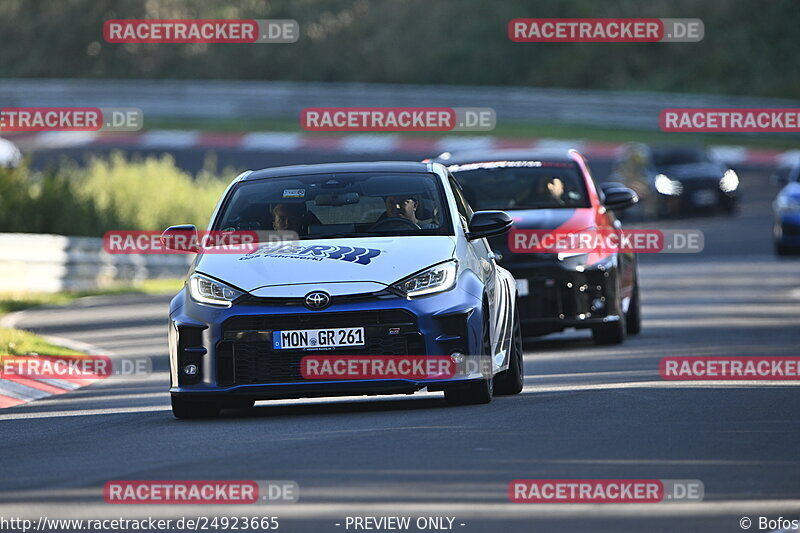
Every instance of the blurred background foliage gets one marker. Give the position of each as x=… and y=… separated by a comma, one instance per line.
x=749, y=48
x=106, y=194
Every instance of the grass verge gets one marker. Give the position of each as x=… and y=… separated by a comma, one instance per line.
x=18, y=342
x=10, y=302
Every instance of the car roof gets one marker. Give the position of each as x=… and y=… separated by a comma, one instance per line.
x=336, y=168
x=480, y=156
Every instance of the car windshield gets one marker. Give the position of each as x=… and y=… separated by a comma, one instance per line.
x=509, y=185
x=669, y=158
x=339, y=205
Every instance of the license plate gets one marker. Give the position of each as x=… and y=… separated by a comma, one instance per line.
x=522, y=287
x=317, y=339
x=704, y=197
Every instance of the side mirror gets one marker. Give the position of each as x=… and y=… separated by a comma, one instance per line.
x=181, y=238
x=619, y=198
x=488, y=224
x=607, y=185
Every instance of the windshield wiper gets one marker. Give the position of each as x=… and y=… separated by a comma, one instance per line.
x=342, y=235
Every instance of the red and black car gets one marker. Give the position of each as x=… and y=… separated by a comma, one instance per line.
x=569, y=289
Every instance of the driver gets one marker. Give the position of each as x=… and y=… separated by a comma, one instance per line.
x=405, y=207
x=289, y=217
x=554, y=188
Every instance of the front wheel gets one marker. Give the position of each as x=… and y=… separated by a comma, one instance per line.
x=633, y=318
x=191, y=408
x=511, y=381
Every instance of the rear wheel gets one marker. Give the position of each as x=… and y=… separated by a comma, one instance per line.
x=191, y=408
x=511, y=381
x=476, y=392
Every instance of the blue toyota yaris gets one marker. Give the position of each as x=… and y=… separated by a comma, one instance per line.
x=390, y=260
x=786, y=208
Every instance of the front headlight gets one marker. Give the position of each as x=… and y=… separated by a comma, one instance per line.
x=437, y=278
x=211, y=292
x=664, y=185
x=729, y=181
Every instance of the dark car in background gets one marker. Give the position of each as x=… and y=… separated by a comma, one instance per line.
x=675, y=181
x=786, y=209
x=556, y=291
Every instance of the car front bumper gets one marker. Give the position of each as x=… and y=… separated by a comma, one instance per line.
x=561, y=296
x=232, y=347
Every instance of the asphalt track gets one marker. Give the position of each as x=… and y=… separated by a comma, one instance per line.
x=586, y=412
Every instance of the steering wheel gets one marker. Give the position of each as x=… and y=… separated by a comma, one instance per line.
x=393, y=221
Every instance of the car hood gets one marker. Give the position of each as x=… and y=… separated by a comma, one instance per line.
x=562, y=219
x=694, y=170
x=340, y=266
x=791, y=190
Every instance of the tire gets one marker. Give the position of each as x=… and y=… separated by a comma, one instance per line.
x=633, y=318
x=781, y=249
x=186, y=408
x=476, y=392
x=512, y=380
x=611, y=332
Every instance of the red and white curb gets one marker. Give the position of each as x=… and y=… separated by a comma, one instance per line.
x=358, y=143
x=16, y=390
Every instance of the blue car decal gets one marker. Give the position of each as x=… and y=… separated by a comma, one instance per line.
x=317, y=252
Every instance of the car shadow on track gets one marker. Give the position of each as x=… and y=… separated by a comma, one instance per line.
x=337, y=406
x=558, y=341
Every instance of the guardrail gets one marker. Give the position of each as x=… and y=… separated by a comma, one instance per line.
x=240, y=99
x=52, y=263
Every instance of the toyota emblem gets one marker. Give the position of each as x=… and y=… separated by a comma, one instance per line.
x=317, y=300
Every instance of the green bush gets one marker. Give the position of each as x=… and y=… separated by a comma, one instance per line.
x=106, y=194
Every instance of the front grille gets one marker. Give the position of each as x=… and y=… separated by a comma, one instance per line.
x=319, y=320
x=248, y=362
x=565, y=297
x=543, y=300
x=697, y=184
x=249, y=299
